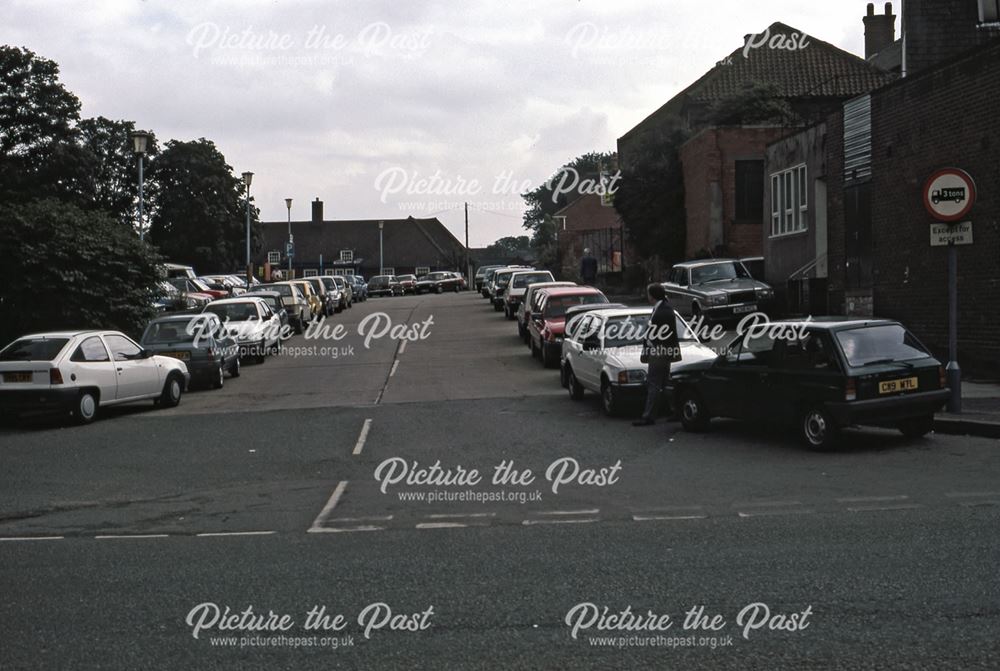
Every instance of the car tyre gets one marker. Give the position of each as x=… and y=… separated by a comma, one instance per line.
x=173, y=388
x=261, y=352
x=522, y=332
x=916, y=427
x=220, y=378
x=576, y=389
x=548, y=360
x=85, y=410
x=234, y=368
x=817, y=428
x=609, y=402
x=693, y=411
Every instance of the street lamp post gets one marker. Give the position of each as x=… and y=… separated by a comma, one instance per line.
x=140, y=142
x=381, y=263
x=288, y=204
x=247, y=178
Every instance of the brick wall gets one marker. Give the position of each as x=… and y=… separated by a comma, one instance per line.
x=936, y=30
x=836, y=248
x=944, y=117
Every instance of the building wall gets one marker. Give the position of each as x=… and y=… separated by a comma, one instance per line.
x=945, y=117
x=836, y=244
x=936, y=30
x=709, y=163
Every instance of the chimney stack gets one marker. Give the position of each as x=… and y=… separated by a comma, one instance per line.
x=317, y=210
x=880, y=30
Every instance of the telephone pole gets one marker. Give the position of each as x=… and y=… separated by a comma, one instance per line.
x=468, y=257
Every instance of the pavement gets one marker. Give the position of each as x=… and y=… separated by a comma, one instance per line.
x=980, y=414
x=304, y=485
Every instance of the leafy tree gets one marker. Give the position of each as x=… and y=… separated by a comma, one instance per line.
x=112, y=183
x=651, y=197
x=39, y=155
x=757, y=103
x=509, y=245
x=73, y=269
x=199, y=208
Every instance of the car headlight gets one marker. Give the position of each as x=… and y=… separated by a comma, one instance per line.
x=716, y=299
x=765, y=293
x=631, y=376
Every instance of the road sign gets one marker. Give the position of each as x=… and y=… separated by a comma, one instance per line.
x=290, y=250
x=951, y=234
x=949, y=194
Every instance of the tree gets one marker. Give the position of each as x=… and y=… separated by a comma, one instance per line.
x=39, y=155
x=199, y=208
x=508, y=246
x=651, y=198
x=112, y=183
x=72, y=268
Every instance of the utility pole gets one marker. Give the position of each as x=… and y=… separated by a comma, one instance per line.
x=468, y=257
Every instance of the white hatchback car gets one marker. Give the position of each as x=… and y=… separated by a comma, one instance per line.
x=601, y=353
x=252, y=322
x=77, y=372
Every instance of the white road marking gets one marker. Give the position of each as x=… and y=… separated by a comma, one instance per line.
x=32, y=538
x=445, y=516
x=645, y=518
x=360, y=445
x=373, y=518
x=583, y=521
x=332, y=530
x=236, y=533
x=766, y=504
x=317, y=524
x=395, y=365
x=981, y=502
x=110, y=536
x=863, y=499
x=441, y=525
x=957, y=495
x=402, y=347
x=774, y=513
x=870, y=509
x=592, y=511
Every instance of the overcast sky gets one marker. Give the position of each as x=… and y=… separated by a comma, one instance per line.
x=353, y=102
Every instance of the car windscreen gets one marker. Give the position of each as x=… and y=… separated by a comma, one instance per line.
x=521, y=281
x=556, y=306
x=33, y=349
x=503, y=280
x=236, y=312
x=378, y=281
x=174, y=331
x=717, y=272
x=282, y=289
x=886, y=343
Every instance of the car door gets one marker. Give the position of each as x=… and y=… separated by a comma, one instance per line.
x=732, y=387
x=591, y=352
x=93, y=367
x=676, y=290
x=137, y=377
x=270, y=322
x=806, y=374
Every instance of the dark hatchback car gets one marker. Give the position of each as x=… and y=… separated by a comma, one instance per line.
x=820, y=376
x=192, y=339
x=276, y=303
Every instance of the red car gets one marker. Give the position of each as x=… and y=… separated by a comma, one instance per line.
x=545, y=328
x=191, y=285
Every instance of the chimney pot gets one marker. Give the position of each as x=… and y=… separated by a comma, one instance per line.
x=880, y=30
x=871, y=9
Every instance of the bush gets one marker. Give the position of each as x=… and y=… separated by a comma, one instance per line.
x=68, y=268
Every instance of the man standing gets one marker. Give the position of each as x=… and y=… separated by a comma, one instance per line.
x=660, y=348
x=588, y=267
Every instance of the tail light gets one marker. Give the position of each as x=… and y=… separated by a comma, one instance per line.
x=622, y=377
x=942, y=378
x=850, y=390
x=55, y=376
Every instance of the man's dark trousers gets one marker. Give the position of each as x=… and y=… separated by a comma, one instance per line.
x=656, y=379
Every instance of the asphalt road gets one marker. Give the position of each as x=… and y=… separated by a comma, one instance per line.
x=264, y=495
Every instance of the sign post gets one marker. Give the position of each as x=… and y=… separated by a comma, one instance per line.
x=949, y=195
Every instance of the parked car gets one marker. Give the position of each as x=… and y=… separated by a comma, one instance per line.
x=528, y=305
x=171, y=270
x=489, y=281
x=346, y=291
x=296, y=304
x=518, y=285
x=251, y=322
x=716, y=289
x=820, y=376
x=408, y=282
x=480, y=277
x=384, y=285
x=439, y=282
x=234, y=285
x=198, y=341
x=314, y=300
x=602, y=352
x=359, y=289
x=501, y=279
x=545, y=330
x=78, y=372
x=326, y=291
x=275, y=301
x=194, y=285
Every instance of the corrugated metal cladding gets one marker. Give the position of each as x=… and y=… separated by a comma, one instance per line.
x=858, y=139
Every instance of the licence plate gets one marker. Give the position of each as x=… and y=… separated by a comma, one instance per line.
x=18, y=377
x=894, y=386
x=183, y=356
x=740, y=309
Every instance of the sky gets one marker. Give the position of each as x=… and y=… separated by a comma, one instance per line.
x=392, y=108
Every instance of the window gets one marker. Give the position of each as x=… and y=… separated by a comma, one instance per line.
x=347, y=256
x=789, y=201
x=274, y=258
x=989, y=11
x=91, y=349
x=389, y=271
x=422, y=270
x=309, y=272
x=749, y=191
x=121, y=347
x=329, y=272
x=340, y=272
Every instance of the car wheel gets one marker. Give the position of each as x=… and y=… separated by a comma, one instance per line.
x=522, y=332
x=497, y=306
x=535, y=353
x=85, y=410
x=439, y=290
x=234, y=368
x=172, y=391
x=219, y=379
x=694, y=413
x=573, y=385
x=300, y=325
x=818, y=429
x=916, y=427
x=510, y=314
x=609, y=402
x=548, y=360
x=261, y=352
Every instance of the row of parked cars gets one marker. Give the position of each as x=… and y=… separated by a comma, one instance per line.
x=818, y=375
x=402, y=285
x=203, y=336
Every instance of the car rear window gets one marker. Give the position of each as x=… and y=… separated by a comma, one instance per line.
x=282, y=289
x=521, y=281
x=876, y=344
x=557, y=305
x=33, y=349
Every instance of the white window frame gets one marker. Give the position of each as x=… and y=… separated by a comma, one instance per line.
x=347, y=256
x=388, y=270
x=340, y=272
x=310, y=272
x=329, y=272
x=789, y=201
x=274, y=258
x=421, y=270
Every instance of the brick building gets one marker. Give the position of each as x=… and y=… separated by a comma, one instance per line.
x=590, y=223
